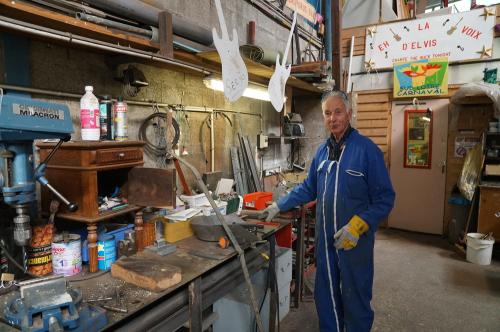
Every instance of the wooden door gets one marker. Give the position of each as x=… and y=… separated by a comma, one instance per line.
x=419, y=185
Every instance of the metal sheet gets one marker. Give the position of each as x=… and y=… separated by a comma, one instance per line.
x=151, y=187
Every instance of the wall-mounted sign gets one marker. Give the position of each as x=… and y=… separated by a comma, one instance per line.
x=304, y=8
x=421, y=78
x=461, y=36
x=418, y=139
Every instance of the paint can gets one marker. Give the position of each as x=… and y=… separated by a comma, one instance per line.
x=120, y=114
x=106, y=118
x=67, y=254
x=40, y=250
x=106, y=251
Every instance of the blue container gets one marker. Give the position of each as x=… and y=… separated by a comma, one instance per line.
x=106, y=252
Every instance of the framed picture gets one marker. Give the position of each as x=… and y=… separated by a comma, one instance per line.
x=418, y=139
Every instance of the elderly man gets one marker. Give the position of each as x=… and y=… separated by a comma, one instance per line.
x=350, y=182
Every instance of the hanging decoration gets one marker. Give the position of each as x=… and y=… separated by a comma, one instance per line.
x=277, y=83
x=421, y=78
x=456, y=36
x=234, y=71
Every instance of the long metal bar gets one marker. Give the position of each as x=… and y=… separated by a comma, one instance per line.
x=273, y=297
x=212, y=143
x=91, y=43
x=118, y=25
x=234, y=242
x=194, y=109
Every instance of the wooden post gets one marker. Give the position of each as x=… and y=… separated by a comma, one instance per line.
x=139, y=231
x=336, y=40
x=165, y=34
x=92, y=244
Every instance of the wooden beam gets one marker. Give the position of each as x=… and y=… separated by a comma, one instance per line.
x=49, y=19
x=336, y=42
x=166, y=34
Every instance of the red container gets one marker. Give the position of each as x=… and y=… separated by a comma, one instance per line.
x=257, y=200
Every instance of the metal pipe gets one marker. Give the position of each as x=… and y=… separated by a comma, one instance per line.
x=348, y=88
x=149, y=33
x=148, y=14
x=212, y=143
x=191, y=109
x=91, y=43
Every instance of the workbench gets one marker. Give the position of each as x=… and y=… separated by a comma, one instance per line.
x=206, y=277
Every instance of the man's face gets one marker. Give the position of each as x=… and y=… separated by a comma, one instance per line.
x=336, y=116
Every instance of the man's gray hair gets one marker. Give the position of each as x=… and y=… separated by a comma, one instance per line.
x=339, y=94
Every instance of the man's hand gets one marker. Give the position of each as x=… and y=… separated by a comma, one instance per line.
x=270, y=212
x=347, y=237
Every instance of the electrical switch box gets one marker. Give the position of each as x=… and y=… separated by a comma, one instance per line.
x=262, y=141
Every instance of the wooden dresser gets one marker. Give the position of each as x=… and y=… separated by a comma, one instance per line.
x=84, y=170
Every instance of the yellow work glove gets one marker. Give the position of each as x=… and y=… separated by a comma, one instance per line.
x=347, y=237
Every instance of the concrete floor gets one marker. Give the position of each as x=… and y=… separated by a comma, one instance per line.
x=422, y=284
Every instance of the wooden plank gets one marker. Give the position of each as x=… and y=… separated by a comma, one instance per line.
x=166, y=34
x=379, y=140
x=374, y=132
x=372, y=97
x=373, y=107
x=372, y=116
x=146, y=272
x=372, y=124
x=47, y=18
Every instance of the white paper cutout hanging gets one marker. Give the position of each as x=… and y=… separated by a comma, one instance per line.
x=281, y=73
x=234, y=71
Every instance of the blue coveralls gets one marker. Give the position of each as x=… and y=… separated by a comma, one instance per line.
x=357, y=184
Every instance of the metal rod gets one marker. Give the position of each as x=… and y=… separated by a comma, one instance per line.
x=194, y=109
x=116, y=25
x=91, y=43
x=232, y=238
x=212, y=143
x=348, y=88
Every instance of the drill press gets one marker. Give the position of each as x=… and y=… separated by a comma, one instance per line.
x=23, y=120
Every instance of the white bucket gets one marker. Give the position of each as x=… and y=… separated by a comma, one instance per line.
x=479, y=251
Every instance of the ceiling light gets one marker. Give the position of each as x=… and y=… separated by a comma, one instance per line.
x=252, y=91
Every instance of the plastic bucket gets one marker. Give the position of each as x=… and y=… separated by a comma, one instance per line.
x=479, y=251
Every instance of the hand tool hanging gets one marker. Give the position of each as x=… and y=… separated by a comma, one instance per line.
x=232, y=238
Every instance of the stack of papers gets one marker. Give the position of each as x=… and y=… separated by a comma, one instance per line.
x=183, y=215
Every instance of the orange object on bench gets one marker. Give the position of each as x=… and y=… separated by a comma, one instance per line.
x=257, y=200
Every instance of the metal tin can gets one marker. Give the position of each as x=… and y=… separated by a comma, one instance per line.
x=106, y=252
x=106, y=118
x=67, y=254
x=40, y=250
x=120, y=115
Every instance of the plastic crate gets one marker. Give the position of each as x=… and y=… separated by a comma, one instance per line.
x=257, y=200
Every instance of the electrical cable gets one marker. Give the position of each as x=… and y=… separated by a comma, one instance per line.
x=153, y=148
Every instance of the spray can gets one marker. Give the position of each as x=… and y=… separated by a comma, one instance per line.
x=106, y=118
x=89, y=115
x=120, y=114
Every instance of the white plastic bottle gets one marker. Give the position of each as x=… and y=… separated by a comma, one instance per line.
x=89, y=116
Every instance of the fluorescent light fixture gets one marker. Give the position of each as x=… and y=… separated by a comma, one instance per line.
x=252, y=91
x=426, y=118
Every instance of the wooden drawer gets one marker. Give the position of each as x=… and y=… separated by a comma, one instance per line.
x=114, y=156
